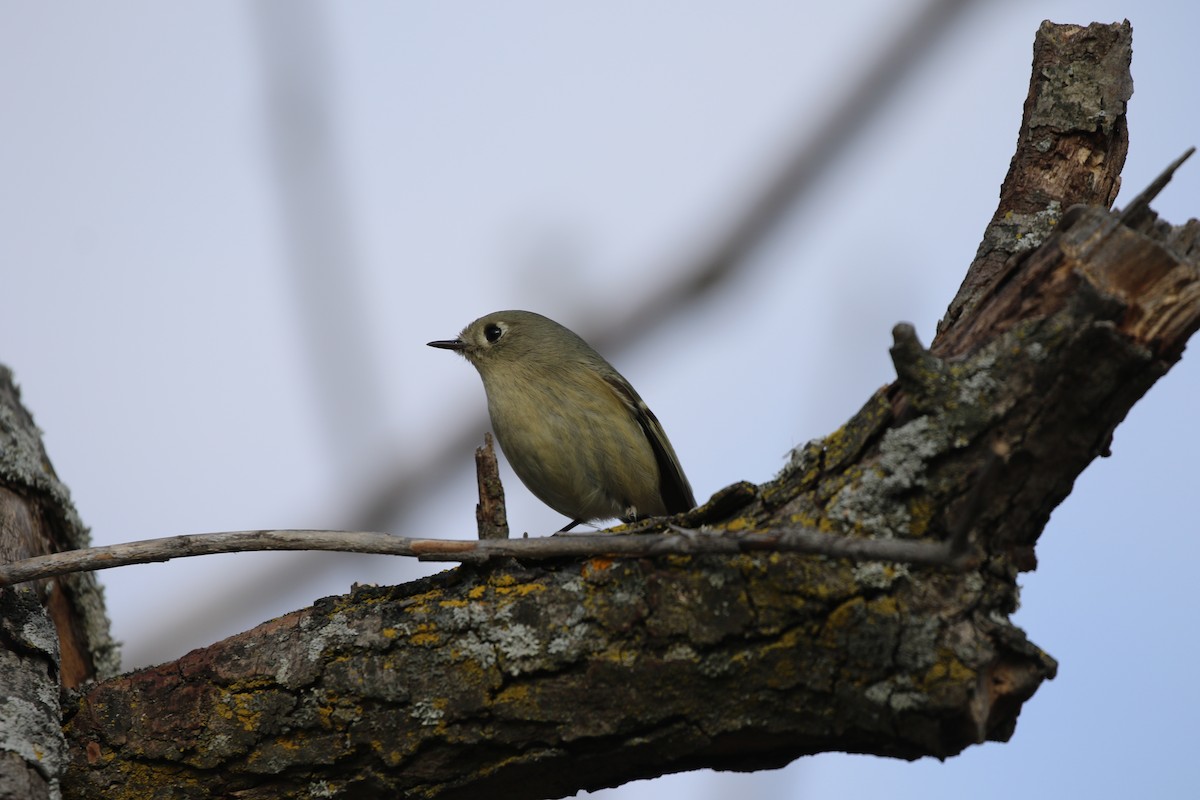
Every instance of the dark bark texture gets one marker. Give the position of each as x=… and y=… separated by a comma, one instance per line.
x=52, y=633
x=1070, y=149
x=537, y=680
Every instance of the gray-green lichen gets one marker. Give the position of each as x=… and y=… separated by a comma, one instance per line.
x=1018, y=232
x=871, y=502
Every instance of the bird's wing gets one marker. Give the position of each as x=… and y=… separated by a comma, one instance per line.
x=673, y=484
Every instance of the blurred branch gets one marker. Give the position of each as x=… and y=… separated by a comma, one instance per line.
x=812, y=158
x=323, y=267
x=405, y=482
x=315, y=226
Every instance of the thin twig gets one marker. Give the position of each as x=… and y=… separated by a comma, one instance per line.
x=681, y=541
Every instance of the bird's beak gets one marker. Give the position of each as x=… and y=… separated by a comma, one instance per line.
x=449, y=344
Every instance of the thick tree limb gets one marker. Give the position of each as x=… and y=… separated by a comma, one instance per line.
x=1070, y=150
x=535, y=681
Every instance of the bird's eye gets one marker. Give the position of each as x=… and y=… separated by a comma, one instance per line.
x=492, y=332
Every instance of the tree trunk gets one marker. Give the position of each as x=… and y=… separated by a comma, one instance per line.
x=52, y=633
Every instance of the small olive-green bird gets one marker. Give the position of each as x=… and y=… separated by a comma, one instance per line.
x=574, y=430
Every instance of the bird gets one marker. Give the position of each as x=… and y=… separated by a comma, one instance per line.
x=575, y=431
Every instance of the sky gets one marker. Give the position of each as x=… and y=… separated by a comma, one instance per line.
x=232, y=228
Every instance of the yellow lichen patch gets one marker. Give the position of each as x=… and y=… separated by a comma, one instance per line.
x=336, y=714
x=824, y=583
x=804, y=520
x=420, y=603
x=458, y=602
x=253, y=682
x=835, y=443
x=141, y=780
x=886, y=606
x=888, y=572
x=394, y=756
x=920, y=512
x=855, y=473
x=426, y=634
x=240, y=706
x=427, y=597
x=787, y=641
x=846, y=615
x=519, y=761
x=520, y=589
x=476, y=592
x=390, y=633
x=750, y=565
x=947, y=669
x=739, y=524
x=425, y=639
x=516, y=695
x=810, y=457
x=285, y=745
x=826, y=525
x=618, y=655
x=470, y=672
x=293, y=741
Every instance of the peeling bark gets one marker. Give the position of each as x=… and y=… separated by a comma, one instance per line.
x=1070, y=150
x=52, y=633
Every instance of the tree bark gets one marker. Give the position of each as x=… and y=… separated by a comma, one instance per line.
x=520, y=680
x=52, y=633
x=1070, y=149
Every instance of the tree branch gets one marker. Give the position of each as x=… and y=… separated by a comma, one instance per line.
x=491, y=515
x=1070, y=150
x=682, y=542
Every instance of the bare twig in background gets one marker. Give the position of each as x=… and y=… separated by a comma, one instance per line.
x=813, y=157
x=316, y=229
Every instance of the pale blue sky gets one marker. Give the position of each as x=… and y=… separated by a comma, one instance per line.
x=564, y=158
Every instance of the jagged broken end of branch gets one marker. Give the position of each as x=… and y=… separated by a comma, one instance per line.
x=1141, y=204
